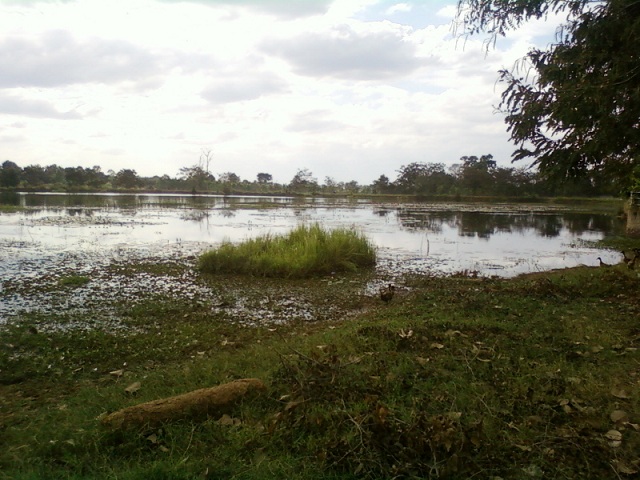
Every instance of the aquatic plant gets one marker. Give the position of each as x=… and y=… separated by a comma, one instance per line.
x=306, y=251
x=73, y=281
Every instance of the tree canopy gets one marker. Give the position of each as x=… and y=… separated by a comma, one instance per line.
x=10, y=174
x=303, y=179
x=471, y=175
x=126, y=178
x=574, y=107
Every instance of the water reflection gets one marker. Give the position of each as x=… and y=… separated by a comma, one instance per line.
x=436, y=238
x=112, y=200
x=484, y=225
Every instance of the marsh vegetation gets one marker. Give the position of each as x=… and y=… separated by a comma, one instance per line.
x=458, y=376
x=304, y=252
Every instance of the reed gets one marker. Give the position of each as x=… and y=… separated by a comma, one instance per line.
x=306, y=251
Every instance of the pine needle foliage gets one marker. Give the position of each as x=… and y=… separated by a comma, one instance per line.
x=306, y=251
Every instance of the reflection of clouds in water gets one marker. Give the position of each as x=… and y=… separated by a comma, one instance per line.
x=503, y=239
x=39, y=245
x=503, y=253
x=195, y=215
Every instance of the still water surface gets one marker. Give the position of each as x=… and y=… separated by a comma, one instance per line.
x=96, y=236
x=492, y=239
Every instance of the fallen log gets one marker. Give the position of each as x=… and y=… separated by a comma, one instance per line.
x=196, y=404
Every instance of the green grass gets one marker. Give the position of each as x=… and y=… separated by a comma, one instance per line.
x=456, y=378
x=73, y=281
x=10, y=209
x=305, y=252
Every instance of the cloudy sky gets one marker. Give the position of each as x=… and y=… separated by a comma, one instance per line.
x=350, y=89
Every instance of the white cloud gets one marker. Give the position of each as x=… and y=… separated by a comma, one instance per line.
x=398, y=7
x=56, y=58
x=280, y=8
x=14, y=105
x=448, y=12
x=350, y=89
x=243, y=88
x=343, y=52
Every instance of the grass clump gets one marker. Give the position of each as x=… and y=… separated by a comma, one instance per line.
x=73, y=281
x=306, y=251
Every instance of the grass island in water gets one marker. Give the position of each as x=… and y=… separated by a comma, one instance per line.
x=305, y=252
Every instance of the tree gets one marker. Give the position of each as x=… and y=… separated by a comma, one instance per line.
x=423, y=178
x=303, y=179
x=409, y=177
x=95, y=178
x=229, y=177
x=34, y=175
x=351, y=186
x=477, y=173
x=206, y=157
x=198, y=175
x=577, y=115
x=74, y=176
x=10, y=174
x=126, y=178
x=331, y=183
x=54, y=174
x=381, y=185
x=264, y=178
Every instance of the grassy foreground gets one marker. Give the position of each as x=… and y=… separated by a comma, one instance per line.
x=534, y=377
x=304, y=252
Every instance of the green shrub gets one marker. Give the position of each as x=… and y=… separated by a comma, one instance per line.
x=304, y=252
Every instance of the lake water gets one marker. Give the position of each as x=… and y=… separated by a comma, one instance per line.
x=80, y=233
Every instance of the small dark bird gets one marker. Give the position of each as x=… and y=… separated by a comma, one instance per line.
x=387, y=294
x=602, y=264
x=631, y=261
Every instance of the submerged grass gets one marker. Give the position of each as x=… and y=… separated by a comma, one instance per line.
x=456, y=378
x=305, y=252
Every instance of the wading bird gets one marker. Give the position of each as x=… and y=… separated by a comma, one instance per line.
x=387, y=294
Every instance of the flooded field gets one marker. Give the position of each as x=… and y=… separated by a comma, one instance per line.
x=103, y=238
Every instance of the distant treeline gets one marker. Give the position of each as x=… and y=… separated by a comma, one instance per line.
x=477, y=176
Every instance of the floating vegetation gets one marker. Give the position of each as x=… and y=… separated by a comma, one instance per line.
x=73, y=281
x=85, y=219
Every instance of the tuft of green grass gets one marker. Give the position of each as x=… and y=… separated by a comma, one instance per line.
x=306, y=251
x=73, y=281
x=619, y=243
x=9, y=209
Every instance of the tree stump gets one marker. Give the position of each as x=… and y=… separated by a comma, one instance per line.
x=195, y=404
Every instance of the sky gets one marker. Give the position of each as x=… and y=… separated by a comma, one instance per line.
x=348, y=89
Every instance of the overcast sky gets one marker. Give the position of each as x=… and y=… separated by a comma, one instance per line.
x=350, y=89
